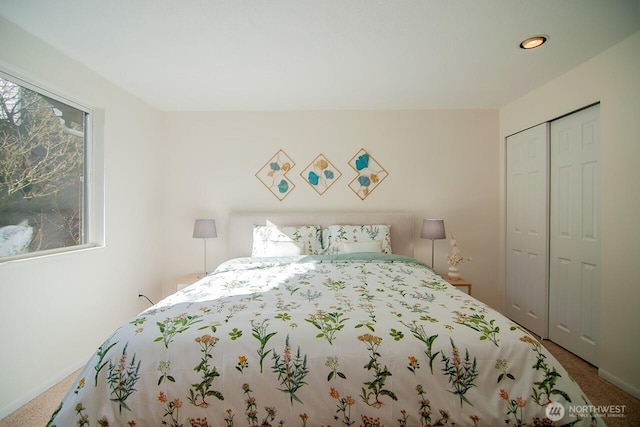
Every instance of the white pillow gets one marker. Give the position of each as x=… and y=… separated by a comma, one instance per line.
x=307, y=237
x=337, y=234
x=275, y=248
x=352, y=247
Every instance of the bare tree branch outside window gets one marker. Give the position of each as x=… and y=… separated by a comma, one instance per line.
x=42, y=148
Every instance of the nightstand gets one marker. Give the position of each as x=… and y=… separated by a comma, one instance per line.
x=187, y=280
x=458, y=283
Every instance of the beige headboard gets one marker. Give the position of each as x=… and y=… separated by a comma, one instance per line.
x=241, y=226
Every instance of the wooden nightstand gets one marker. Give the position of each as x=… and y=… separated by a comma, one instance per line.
x=187, y=280
x=458, y=283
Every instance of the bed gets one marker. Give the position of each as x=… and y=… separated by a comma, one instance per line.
x=322, y=320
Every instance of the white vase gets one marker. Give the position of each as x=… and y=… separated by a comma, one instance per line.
x=454, y=272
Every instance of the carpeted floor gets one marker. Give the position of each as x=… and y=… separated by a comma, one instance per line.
x=599, y=391
x=39, y=410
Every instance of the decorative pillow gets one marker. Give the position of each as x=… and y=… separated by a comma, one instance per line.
x=271, y=240
x=337, y=234
x=352, y=247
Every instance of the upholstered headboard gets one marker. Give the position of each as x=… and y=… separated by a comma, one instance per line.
x=241, y=226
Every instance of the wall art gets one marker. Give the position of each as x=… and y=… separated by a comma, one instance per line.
x=274, y=175
x=321, y=174
x=370, y=174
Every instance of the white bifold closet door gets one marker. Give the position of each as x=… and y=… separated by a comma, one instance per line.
x=527, y=228
x=574, y=260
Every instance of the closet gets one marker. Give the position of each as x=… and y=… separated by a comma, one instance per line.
x=553, y=236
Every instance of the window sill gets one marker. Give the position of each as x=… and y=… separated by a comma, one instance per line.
x=49, y=253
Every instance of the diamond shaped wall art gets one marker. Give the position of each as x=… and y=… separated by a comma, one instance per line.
x=273, y=175
x=370, y=174
x=321, y=174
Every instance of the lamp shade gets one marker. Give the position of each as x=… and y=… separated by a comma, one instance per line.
x=205, y=228
x=433, y=229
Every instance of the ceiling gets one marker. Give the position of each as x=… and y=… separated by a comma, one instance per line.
x=326, y=54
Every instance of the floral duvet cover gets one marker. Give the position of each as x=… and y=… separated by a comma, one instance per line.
x=365, y=340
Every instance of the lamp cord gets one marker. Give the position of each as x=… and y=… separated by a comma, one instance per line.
x=144, y=296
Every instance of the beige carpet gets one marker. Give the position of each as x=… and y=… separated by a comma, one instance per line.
x=39, y=410
x=599, y=391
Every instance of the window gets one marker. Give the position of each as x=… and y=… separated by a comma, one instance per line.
x=44, y=142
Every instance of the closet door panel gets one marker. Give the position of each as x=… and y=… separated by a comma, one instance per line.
x=527, y=228
x=574, y=275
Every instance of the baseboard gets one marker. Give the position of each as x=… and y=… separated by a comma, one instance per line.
x=634, y=391
x=36, y=391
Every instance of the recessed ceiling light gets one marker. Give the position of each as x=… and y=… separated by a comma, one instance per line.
x=533, y=42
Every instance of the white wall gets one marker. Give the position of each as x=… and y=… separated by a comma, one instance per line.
x=56, y=310
x=613, y=78
x=440, y=164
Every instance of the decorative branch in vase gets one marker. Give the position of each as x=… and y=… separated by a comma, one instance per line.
x=455, y=259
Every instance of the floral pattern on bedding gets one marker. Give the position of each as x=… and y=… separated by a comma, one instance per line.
x=272, y=240
x=375, y=340
x=336, y=235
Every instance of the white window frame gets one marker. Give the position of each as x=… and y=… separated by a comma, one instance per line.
x=93, y=206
